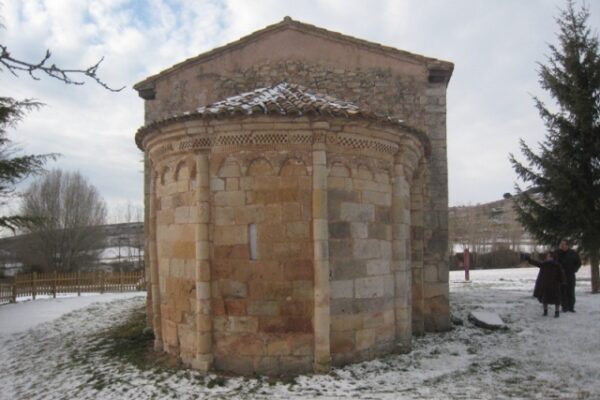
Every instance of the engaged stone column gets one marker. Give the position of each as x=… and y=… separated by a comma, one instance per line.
x=147, y=265
x=204, y=357
x=404, y=166
x=322, y=320
x=151, y=247
x=417, y=232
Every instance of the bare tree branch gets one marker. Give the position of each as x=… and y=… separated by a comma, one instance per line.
x=14, y=65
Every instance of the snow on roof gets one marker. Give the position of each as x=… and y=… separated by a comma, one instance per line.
x=284, y=99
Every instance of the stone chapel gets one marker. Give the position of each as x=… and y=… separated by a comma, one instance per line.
x=296, y=198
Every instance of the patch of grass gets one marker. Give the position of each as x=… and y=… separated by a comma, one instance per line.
x=132, y=342
x=216, y=381
x=503, y=363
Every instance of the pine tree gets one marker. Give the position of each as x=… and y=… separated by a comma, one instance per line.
x=562, y=199
x=14, y=168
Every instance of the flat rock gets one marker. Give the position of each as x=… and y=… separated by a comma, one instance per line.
x=487, y=320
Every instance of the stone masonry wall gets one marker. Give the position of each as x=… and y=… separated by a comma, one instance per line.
x=409, y=97
x=362, y=283
x=175, y=225
x=262, y=308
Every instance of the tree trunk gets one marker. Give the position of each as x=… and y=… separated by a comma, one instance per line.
x=595, y=275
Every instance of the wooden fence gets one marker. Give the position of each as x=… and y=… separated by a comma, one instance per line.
x=52, y=284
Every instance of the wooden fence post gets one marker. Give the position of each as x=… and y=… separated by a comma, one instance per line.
x=14, y=289
x=101, y=282
x=54, y=283
x=78, y=283
x=33, y=276
x=121, y=280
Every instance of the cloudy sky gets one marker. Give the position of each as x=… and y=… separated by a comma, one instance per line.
x=495, y=45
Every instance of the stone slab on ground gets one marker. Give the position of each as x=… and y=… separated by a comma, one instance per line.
x=487, y=320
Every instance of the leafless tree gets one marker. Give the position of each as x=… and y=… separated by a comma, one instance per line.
x=132, y=239
x=44, y=66
x=68, y=212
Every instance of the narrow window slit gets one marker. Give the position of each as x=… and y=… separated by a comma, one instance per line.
x=252, y=241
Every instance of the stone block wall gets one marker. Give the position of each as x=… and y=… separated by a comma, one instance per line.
x=404, y=93
x=360, y=240
x=175, y=226
x=330, y=278
x=263, y=307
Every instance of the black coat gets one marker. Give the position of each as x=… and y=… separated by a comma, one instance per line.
x=548, y=282
x=569, y=259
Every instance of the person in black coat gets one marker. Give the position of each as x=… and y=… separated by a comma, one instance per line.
x=548, y=282
x=570, y=261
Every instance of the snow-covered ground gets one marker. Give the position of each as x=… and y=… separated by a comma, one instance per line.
x=44, y=356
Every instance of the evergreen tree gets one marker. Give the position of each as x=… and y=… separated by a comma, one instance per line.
x=562, y=199
x=14, y=168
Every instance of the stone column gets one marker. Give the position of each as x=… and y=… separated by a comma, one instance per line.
x=417, y=234
x=203, y=359
x=151, y=246
x=147, y=265
x=322, y=294
x=404, y=165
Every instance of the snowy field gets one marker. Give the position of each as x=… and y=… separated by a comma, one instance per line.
x=47, y=352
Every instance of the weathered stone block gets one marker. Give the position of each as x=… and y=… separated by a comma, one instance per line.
x=340, y=249
x=357, y=212
x=236, y=307
x=342, y=289
x=279, y=346
x=297, y=270
x=365, y=339
x=267, y=366
x=342, y=306
x=235, y=324
x=169, y=332
x=230, y=234
x=342, y=341
x=293, y=365
x=232, y=199
x=251, y=214
x=291, y=212
x=184, y=250
x=339, y=230
x=302, y=290
x=378, y=267
x=217, y=184
x=270, y=290
x=369, y=287
x=347, y=269
x=260, y=308
x=377, y=198
x=187, y=339
x=235, y=289
x=232, y=184
x=366, y=249
x=224, y=215
x=297, y=308
x=298, y=230
x=380, y=231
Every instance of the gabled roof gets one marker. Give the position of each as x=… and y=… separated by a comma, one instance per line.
x=440, y=71
x=284, y=99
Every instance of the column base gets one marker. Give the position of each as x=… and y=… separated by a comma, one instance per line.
x=202, y=363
